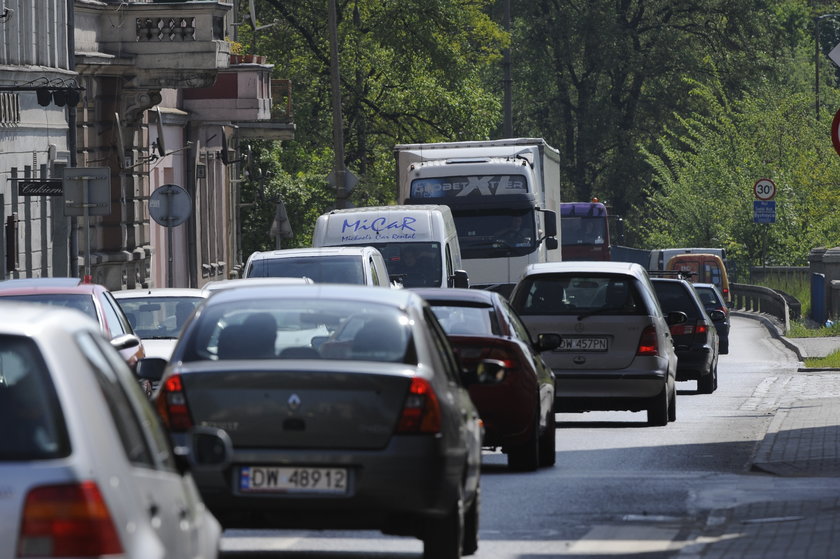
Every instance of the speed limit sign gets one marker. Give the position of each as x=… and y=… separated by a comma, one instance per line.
x=764, y=189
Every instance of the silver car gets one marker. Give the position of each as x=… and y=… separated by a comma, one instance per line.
x=85, y=468
x=346, y=407
x=617, y=352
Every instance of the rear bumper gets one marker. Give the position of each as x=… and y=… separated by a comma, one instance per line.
x=694, y=362
x=389, y=489
x=608, y=390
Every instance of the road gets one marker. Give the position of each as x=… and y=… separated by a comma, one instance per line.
x=620, y=488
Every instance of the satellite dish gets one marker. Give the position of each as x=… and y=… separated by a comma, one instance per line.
x=161, y=148
x=120, y=145
x=224, y=154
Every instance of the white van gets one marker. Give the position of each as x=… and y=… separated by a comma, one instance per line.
x=362, y=265
x=419, y=242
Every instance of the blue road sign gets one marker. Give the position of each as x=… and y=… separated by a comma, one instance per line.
x=764, y=211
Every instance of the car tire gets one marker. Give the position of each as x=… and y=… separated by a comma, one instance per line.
x=707, y=383
x=672, y=406
x=470, y=545
x=444, y=537
x=548, y=442
x=525, y=457
x=657, y=413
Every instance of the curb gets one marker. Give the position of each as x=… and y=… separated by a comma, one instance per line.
x=773, y=328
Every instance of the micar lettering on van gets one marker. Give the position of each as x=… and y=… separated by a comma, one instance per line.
x=419, y=242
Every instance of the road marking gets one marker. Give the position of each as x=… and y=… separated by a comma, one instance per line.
x=624, y=540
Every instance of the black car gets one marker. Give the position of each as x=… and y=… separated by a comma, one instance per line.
x=713, y=300
x=696, y=340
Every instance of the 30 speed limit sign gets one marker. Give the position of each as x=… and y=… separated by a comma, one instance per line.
x=764, y=189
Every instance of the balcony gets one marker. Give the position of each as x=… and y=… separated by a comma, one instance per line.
x=176, y=45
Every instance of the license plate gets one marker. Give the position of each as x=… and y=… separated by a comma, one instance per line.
x=583, y=344
x=262, y=479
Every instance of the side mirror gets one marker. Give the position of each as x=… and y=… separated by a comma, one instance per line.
x=550, y=220
x=204, y=448
x=125, y=341
x=547, y=342
x=675, y=317
x=460, y=279
x=717, y=316
x=490, y=371
x=151, y=368
x=551, y=243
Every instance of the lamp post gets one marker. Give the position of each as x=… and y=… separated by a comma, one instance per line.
x=817, y=20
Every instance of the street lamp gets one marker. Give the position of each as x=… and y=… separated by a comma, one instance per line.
x=817, y=20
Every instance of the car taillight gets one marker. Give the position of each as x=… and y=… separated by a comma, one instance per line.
x=67, y=521
x=172, y=405
x=647, y=342
x=702, y=328
x=421, y=410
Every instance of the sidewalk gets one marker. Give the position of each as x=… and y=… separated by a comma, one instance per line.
x=803, y=442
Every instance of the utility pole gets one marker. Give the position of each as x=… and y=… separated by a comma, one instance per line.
x=338, y=124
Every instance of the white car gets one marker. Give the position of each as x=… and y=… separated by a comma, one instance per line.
x=157, y=315
x=85, y=468
x=361, y=265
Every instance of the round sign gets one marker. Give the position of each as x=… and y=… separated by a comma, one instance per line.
x=170, y=205
x=835, y=132
x=764, y=189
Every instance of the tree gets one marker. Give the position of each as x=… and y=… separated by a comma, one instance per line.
x=411, y=71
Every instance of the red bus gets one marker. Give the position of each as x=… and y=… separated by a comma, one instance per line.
x=584, y=231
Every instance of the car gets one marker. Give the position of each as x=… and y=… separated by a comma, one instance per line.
x=346, y=406
x=713, y=300
x=695, y=340
x=86, y=468
x=362, y=265
x=158, y=314
x=703, y=268
x=93, y=299
x=616, y=352
x=518, y=410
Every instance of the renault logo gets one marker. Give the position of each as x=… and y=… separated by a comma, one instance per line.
x=294, y=402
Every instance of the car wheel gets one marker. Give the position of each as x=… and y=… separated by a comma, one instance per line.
x=526, y=457
x=470, y=544
x=672, y=406
x=548, y=442
x=706, y=383
x=444, y=537
x=657, y=413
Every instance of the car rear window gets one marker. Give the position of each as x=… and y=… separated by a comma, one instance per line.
x=578, y=293
x=332, y=269
x=675, y=296
x=708, y=297
x=467, y=320
x=79, y=301
x=31, y=418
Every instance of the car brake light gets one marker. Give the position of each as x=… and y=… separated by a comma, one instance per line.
x=647, y=342
x=172, y=405
x=702, y=328
x=421, y=410
x=67, y=521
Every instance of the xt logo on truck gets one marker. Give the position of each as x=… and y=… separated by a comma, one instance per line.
x=378, y=228
x=450, y=187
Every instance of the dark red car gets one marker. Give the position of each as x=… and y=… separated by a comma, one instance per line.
x=518, y=410
x=92, y=299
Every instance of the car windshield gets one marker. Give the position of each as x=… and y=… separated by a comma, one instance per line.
x=579, y=294
x=158, y=317
x=301, y=329
x=79, y=301
x=467, y=320
x=320, y=269
x=28, y=402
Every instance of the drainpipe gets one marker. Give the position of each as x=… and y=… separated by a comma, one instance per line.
x=73, y=248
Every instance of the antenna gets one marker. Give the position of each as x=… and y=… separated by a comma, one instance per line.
x=123, y=159
x=252, y=15
x=161, y=148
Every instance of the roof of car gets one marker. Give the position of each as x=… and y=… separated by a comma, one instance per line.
x=159, y=292
x=586, y=266
x=49, y=285
x=218, y=285
x=358, y=250
x=350, y=292
x=456, y=294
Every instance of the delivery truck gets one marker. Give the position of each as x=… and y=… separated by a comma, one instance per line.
x=503, y=195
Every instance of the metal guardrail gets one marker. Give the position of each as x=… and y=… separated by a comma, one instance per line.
x=755, y=298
